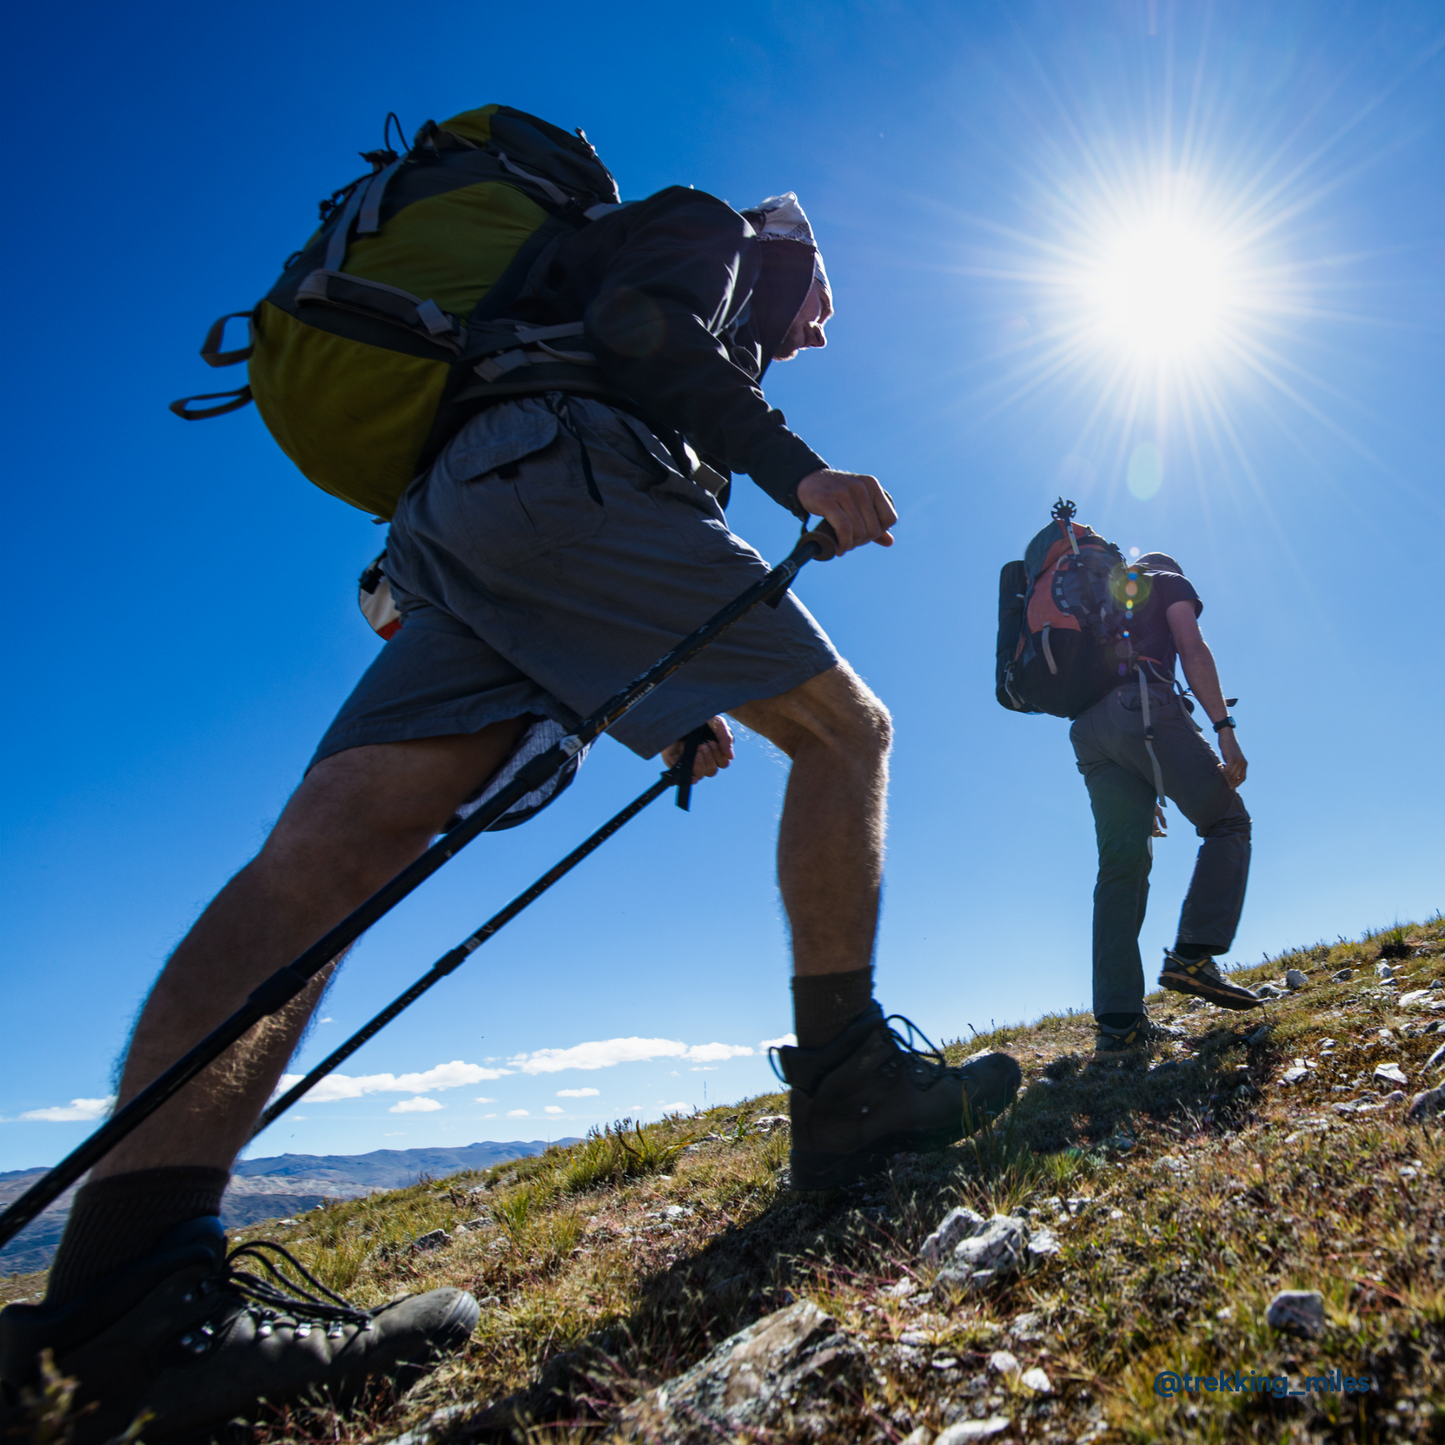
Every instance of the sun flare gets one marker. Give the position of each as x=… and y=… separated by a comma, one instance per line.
x=1161, y=290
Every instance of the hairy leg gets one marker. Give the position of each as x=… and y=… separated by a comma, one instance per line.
x=358, y=818
x=830, y=842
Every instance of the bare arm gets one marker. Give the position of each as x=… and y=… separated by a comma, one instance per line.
x=1203, y=676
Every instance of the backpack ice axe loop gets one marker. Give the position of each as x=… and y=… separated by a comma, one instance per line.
x=287, y=982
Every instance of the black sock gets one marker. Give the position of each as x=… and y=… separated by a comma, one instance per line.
x=116, y=1221
x=824, y=1004
x=1116, y=1021
x=1193, y=952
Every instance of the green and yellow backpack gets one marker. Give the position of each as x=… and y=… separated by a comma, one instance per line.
x=387, y=329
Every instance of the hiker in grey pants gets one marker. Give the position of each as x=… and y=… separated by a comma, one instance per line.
x=1114, y=757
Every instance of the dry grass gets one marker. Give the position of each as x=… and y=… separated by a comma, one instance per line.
x=1208, y=1185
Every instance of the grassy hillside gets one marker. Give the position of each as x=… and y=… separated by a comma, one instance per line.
x=1184, y=1188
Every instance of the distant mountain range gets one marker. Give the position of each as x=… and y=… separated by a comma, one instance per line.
x=274, y=1188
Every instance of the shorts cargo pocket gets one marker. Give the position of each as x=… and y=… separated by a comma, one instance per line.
x=518, y=492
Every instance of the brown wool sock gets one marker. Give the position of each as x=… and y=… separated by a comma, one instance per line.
x=824, y=1004
x=118, y=1220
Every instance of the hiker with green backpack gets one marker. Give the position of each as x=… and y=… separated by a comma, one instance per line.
x=546, y=392
x=1088, y=635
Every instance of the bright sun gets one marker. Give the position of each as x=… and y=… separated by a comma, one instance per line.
x=1161, y=290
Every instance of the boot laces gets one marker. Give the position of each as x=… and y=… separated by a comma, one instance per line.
x=281, y=1296
x=906, y=1045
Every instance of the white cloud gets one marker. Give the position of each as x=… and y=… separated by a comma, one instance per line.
x=578, y=1093
x=326, y=1021
x=604, y=1053
x=787, y=1041
x=442, y=1076
x=490, y=1116
x=482, y=1099
x=681, y=1107
x=418, y=1105
x=518, y=1114
x=554, y=1109
x=703, y=1069
x=76, y=1111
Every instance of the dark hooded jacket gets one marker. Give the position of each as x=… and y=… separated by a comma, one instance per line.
x=683, y=307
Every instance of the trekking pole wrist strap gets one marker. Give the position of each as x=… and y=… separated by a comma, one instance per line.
x=1225, y=722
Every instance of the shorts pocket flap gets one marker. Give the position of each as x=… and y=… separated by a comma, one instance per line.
x=495, y=437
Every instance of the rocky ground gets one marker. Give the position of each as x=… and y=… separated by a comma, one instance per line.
x=1260, y=1196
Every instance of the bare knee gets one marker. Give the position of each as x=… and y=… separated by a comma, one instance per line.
x=836, y=710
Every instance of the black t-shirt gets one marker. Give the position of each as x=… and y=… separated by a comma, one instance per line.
x=1161, y=584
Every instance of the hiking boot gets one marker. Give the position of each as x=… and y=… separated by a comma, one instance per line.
x=1201, y=977
x=191, y=1337
x=870, y=1094
x=1112, y=1039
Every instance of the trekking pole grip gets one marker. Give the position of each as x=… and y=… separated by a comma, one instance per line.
x=823, y=540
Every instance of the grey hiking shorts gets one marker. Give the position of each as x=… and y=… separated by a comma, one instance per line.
x=525, y=587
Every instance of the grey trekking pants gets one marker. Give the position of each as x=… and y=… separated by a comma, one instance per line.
x=1108, y=742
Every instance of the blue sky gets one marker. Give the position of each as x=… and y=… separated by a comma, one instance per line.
x=985, y=178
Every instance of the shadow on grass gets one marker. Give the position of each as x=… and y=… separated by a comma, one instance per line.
x=1059, y=1133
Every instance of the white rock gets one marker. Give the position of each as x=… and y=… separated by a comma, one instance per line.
x=1438, y=1057
x=1429, y=1103
x=1384, y=971
x=1294, y=1075
x=1295, y=978
x=921, y=1436
x=1301, y=1310
x=1343, y=976
x=1043, y=1243
x=1038, y=1382
x=958, y=1224
x=1000, y=1246
x=1390, y=1074
x=1417, y=998
x=1003, y=1362
x=902, y=1289
x=973, y=1430
x=769, y=1123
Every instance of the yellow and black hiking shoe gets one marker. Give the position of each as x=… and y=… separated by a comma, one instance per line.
x=195, y=1338
x=1201, y=977
x=870, y=1094
x=1110, y=1039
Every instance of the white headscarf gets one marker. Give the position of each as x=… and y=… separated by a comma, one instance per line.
x=785, y=220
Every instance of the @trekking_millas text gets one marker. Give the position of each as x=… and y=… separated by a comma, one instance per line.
x=1170, y=1382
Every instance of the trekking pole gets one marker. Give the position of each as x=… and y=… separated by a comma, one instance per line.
x=283, y=985
x=678, y=776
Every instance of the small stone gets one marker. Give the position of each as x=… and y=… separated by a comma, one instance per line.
x=1294, y=1075
x=1390, y=1074
x=1438, y=1057
x=1299, y=1310
x=1295, y=978
x=1416, y=998
x=1343, y=976
x=902, y=1289
x=1396, y=1096
x=1270, y=990
x=1003, y=1362
x=1076, y=1204
x=770, y=1123
x=957, y=1225
x=1038, y=1382
x=433, y=1239
x=973, y=1430
x=480, y=1222
x=1000, y=1246
x=1259, y=1035
x=1042, y=1243
x=1384, y=972
x=1428, y=1104
x=921, y=1436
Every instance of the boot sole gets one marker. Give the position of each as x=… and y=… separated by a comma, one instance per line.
x=1228, y=997
x=813, y=1169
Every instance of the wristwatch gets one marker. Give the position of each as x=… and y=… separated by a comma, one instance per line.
x=1225, y=722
